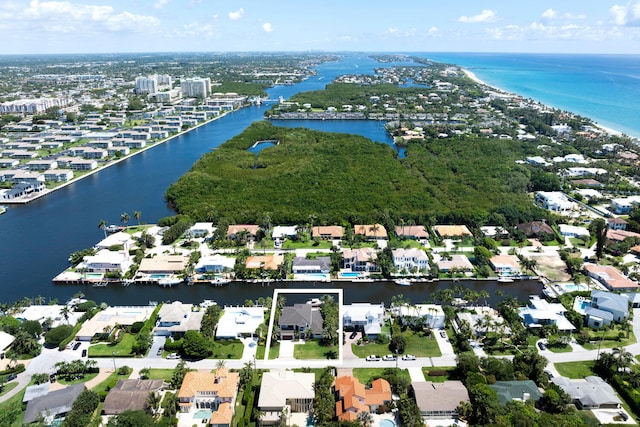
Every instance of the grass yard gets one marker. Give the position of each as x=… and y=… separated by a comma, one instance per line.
x=417, y=345
x=610, y=340
x=227, y=349
x=366, y=375
x=274, y=351
x=447, y=370
x=121, y=349
x=10, y=408
x=109, y=382
x=310, y=244
x=8, y=387
x=84, y=379
x=315, y=371
x=365, y=350
x=575, y=370
x=312, y=350
x=160, y=374
x=563, y=349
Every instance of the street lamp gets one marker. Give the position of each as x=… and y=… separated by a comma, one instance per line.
x=113, y=356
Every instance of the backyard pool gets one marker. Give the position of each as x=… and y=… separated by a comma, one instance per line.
x=158, y=276
x=202, y=414
x=387, y=423
x=350, y=274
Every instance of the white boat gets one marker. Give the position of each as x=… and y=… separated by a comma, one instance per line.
x=3, y=209
x=169, y=281
x=505, y=280
x=220, y=281
x=403, y=282
x=363, y=279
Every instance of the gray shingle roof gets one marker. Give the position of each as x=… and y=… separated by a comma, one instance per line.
x=55, y=403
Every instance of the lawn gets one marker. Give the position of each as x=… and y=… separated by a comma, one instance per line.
x=84, y=379
x=311, y=350
x=610, y=340
x=109, y=382
x=121, y=349
x=564, y=349
x=227, y=349
x=274, y=351
x=8, y=387
x=315, y=371
x=310, y=244
x=13, y=405
x=447, y=370
x=160, y=374
x=417, y=344
x=366, y=375
x=575, y=370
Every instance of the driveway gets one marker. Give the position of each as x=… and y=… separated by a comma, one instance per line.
x=286, y=349
x=158, y=342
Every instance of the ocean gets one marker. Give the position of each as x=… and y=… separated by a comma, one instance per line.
x=604, y=88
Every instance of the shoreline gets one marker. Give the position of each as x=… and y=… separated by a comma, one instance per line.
x=114, y=162
x=609, y=131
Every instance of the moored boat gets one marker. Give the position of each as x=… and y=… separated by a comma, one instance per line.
x=403, y=282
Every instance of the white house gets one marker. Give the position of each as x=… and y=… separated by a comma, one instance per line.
x=431, y=313
x=540, y=312
x=281, y=233
x=555, y=201
x=177, y=318
x=624, y=205
x=573, y=231
x=115, y=239
x=215, y=264
x=411, y=259
x=201, y=229
x=616, y=304
x=239, y=321
x=284, y=389
x=369, y=317
x=106, y=260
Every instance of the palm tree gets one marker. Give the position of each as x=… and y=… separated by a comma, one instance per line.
x=64, y=311
x=152, y=402
x=137, y=215
x=365, y=418
x=103, y=226
x=220, y=364
x=375, y=228
x=124, y=218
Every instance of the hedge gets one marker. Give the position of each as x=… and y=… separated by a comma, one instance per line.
x=71, y=337
x=628, y=393
x=17, y=370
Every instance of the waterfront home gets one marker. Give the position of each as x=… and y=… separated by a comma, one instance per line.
x=370, y=231
x=58, y=175
x=482, y=320
x=353, y=397
x=201, y=229
x=41, y=165
x=300, y=321
x=176, y=318
x=22, y=176
x=22, y=189
x=104, y=261
x=237, y=322
x=247, y=232
x=284, y=389
x=216, y=264
x=522, y=390
x=302, y=265
x=327, y=232
x=33, y=391
x=104, y=321
x=130, y=395
x=215, y=392
x=505, y=265
x=610, y=277
x=616, y=304
x=589, y=393
x=116, y=239
x=42, y=313
x=365, y=316
x=573, y=231
x=54, y=405
x=535, y=228
x=5, y=342
x=266, y=262
x=410, y=260
x=413, y=232
x=83, y=165
x=431, y=314
x=540, y=312
x=361, y=259
x=163, y=264
x=452, y=231
x=439, y=400
x=459, y=263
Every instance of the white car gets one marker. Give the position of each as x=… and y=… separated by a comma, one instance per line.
x=372, y=358
x=173, y=356
x=389, y=358
x=408, y=357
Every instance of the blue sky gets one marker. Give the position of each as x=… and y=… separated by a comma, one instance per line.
x=79, y=26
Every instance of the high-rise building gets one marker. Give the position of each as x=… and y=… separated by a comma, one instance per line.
x=147, y=85
x=196, y=87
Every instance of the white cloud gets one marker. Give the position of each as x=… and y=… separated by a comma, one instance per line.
x=483, y=17
x=234, y=16
x=433, y=30
x=549, y=14
x=161, y=3
x=392, y=30
x=627, y=15
x=267, y=27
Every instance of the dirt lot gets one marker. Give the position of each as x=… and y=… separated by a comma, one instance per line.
x=551, y=266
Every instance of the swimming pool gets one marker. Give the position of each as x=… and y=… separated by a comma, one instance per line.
x=94, y=275
x=387, y=423
x=573, y=287
x=158, y=276
x=202, y=414
x=350, y=274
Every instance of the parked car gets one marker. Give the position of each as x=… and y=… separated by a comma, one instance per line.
x=84, y=352
x=11, y=377
x=372, y=358
x=76, y=345
x=542, y=346
x=159, y=352
x=408, y=357
x=52, y=378
x=173, y=356
x=389, y=358
x=353, y=335
x=70, y=345
x=443, y=334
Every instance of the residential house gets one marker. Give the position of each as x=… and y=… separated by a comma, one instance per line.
x=22, y=189
x=459, y=263
x=610, y=277
x=237, y=322
x=299, y=321
x=216, y=264
x=410, y=260
x=483, y=320
x=210, y=391
x=163, y=264
x=58, y=175
x=540, y=312
x=622, y=206
x=327, y=232
x=116, y=239
x=452, y=231
x=535, y=228
x=413, y=232
x=616, y=304
x=370, y=231
x=616, y=223
x=54, y=405
x=302, y=265
x=246, y=232
x=33, y=391
x=619, y=235
x=105, y=320
x=573, y=231
x=201, y=229
x=105, y=261
x=516, y=390
x=352, y=397
x=494, y=231
x=589, y=393
x=266, y=262
x=281, y=233
x=130, y=395
x=176, y=318
x=432, y=314
x=555, y=201
x=505, y=265
x=360, y=259
x=366, y=316
x=284, y=389
x=439, y=400
x=5, y=342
